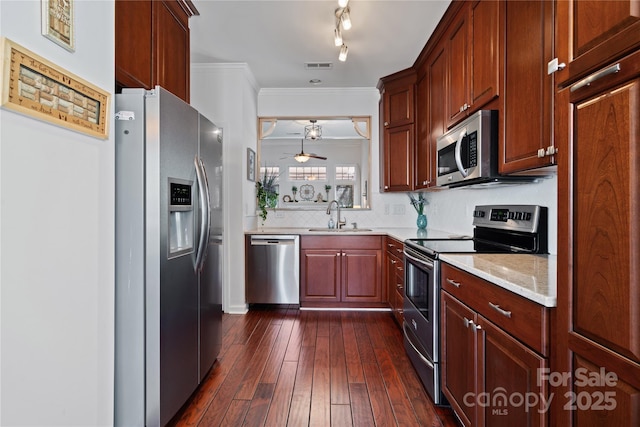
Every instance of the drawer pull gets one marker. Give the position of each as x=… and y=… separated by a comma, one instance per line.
x=497, y=308
x=453, y=282
x=393, y=261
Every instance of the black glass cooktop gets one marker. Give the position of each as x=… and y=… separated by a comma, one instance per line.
x=443, y=246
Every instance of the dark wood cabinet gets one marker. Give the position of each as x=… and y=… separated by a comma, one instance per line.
x=599, y=270
x=490, y=355
x=595, y=33
x=527, y=117
x=341, y=271
x=152, y=44
x=398, y=158
x=474, y=52
x=397, y=109
x=459, y=353
x=394, y=277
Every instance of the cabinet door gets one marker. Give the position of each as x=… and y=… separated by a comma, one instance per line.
x=398, y=158
x=528, y=90
x=598, y=276
x=484, y=53
x=437, y=75
x=507, y=370
x=424, y=170
x=603, y=31
x=133, y=47
x=459, y=358
x=457, y=46
x=361, y=281
x=320, y=275
x=398, y=99
x=606, y=243
x=171, y=42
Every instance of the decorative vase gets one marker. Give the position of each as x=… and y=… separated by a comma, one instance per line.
x=421, y=222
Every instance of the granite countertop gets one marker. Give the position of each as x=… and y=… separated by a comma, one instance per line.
x=399, y=233
x=530, y=276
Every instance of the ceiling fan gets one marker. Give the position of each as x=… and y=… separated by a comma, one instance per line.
x=302, y=157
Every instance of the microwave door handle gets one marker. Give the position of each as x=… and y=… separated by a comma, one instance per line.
x=458, y=156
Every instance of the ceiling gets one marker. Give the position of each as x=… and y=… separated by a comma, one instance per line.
x=277, y=38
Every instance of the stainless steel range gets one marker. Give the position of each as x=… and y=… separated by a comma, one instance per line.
x=497, y=229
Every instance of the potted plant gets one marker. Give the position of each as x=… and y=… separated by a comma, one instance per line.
x=294, y=190
x=327, y=188
x=266, y=193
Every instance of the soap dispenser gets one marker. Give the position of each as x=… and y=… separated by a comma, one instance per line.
x=331, y=224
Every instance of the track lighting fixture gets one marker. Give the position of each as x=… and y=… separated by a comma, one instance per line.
x=337, y=36
x=343, y=21
x=344, y=50
x=345, y=18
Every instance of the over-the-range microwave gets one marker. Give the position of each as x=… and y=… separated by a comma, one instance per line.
x=468, y=153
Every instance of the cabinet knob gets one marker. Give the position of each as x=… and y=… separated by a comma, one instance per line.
x=393, y=261
x=386, y=123
x=553, y=66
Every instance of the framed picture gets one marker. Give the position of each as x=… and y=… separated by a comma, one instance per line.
x=33, y=86
x=251, y=165
x=57, y=22
x=344, y=195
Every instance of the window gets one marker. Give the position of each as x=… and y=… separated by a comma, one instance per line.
x=271, y=171
x=307, y=173
x=345, y=173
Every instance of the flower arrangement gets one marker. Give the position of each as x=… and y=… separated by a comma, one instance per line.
x=418, y=202
x=266, y=193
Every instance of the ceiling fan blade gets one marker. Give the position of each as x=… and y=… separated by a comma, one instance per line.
x=315, y=156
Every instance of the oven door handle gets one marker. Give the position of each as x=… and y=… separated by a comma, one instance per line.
x=426, y=263
x=408, y=338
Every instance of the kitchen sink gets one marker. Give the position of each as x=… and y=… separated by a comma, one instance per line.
x=339, y=230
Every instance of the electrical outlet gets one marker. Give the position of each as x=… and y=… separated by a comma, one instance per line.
x=279, y=214
x=398, y=210
x=386, y=208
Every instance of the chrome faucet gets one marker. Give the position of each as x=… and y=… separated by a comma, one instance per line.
x=339, y=222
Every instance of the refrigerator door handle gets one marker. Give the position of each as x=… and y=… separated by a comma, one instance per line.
x=203, y=189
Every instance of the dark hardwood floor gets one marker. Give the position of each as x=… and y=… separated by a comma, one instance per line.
x=289, y=367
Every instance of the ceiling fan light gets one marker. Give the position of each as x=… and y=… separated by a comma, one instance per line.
x=344, y=50
x=301, y=158
x=337, y=36
x=343, y=3
x=346, y=19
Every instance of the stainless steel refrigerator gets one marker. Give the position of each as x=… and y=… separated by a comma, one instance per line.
x=168, y=254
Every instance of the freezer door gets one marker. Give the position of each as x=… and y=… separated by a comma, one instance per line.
x=172, y=283
x=211, y=272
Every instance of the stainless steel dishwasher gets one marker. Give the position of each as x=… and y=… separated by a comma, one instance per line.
x=273, y=269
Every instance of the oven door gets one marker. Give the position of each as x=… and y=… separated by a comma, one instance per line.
x=421, y=320
x=421, y=299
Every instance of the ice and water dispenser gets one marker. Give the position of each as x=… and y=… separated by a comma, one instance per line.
x=181, y=217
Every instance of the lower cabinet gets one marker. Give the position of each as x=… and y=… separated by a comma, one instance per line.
x=341, y=271
x=394, y=277
x=493, y=370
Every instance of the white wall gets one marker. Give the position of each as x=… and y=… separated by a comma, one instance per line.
x=227, y=95
x=56, y=233
x=449, y=210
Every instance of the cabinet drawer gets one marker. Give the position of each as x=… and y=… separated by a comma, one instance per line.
x=394, y=247
x=524, y=319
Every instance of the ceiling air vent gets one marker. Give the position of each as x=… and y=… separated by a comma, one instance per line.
x=318, y=65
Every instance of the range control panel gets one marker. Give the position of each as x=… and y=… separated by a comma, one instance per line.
x=509, y=217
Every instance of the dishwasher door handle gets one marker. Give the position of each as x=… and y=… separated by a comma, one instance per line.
x=264, y=241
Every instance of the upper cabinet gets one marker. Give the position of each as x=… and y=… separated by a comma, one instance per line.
x=397, y=106
x=473, y=44
x=592, y=34
x=152, y=44
x=527, y=114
